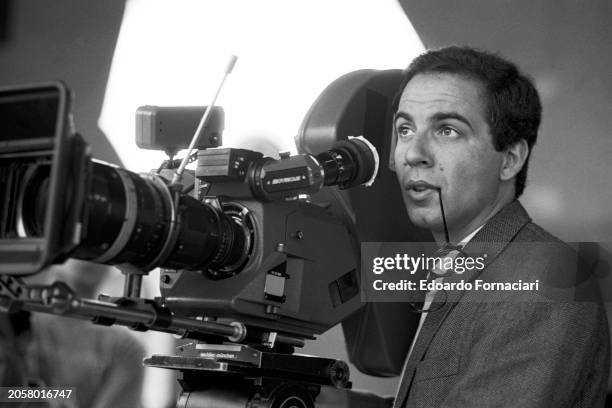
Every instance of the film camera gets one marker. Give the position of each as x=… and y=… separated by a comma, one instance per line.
x=257, y=255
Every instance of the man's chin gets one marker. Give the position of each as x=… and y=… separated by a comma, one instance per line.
x=423, y=218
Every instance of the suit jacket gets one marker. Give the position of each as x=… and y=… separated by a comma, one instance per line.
x=545, y=348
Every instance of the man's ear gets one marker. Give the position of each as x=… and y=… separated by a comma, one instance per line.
x=515, y=157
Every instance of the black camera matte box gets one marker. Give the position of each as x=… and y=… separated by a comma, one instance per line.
x=34, y=128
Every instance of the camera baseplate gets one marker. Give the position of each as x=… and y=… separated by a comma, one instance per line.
x=239, y=375
x=251, y=362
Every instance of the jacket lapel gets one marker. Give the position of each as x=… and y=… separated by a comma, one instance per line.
x=490, y=240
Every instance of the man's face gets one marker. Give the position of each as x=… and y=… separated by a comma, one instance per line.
x=444, y=141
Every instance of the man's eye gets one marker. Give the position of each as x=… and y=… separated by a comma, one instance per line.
x=404, y=131
x=448, y=131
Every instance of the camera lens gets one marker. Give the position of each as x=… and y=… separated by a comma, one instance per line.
x=139, y=220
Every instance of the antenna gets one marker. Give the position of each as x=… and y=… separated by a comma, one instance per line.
x=228, y=70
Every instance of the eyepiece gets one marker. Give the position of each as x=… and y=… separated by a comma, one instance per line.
x=350, y=163
x=347, y=164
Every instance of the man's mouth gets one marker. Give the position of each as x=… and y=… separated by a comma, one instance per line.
x=419, y=190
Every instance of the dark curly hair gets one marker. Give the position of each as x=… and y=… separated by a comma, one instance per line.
x=513, y=108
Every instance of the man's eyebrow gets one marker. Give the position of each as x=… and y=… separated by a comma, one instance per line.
x=402, y=115
x=450, y=115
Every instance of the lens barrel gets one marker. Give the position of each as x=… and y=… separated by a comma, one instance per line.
x=138, y=220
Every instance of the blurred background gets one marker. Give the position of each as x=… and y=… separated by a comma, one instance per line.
x=117, y=55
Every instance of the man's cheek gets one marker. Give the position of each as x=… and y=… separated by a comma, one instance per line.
x=398, y=162
x=459, y=179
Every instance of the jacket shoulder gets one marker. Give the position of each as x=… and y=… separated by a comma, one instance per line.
x=534, y=243
x=532, y=232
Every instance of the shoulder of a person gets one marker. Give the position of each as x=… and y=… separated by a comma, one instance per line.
x=535, y=255
x=533, y=232
x=541, y=248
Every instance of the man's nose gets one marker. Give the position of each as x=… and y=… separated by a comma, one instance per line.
x=418, y=151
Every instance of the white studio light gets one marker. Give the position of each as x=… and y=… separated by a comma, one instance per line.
x=173, y=53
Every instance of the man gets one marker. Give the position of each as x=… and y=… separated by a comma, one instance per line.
x=465, y=124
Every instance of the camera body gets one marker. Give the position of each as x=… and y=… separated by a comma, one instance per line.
x=241, y=238
x=291, y=271
x=287, y=256
x=256, y=255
